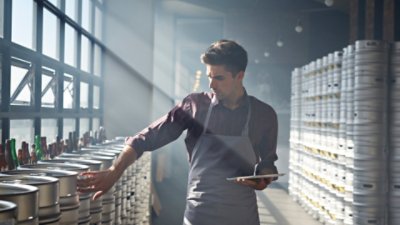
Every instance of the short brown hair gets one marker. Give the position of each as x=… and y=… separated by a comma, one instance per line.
x=227, y=53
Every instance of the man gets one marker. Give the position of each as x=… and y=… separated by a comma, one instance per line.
x=229, y=133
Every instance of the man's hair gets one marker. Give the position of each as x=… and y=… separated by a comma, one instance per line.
x=227, y=53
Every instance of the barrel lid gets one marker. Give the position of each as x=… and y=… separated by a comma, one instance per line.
x=74, y=161
x=43, y=172
x=28, y=179
x=16, y=189
x=56, y=166
x=87, y=156
x=7, y=206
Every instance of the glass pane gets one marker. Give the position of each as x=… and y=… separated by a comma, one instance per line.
x=49, y=130
x=95, y=124
x=1, y=17
x=49, y=88
x=71, y=9
x=84, y=98
x=68, y=126
x=98, y=25
x=85, y=54
x=22, y=130
x=70, y=45
x=97, y=60
x=68, y=91
x=50, y=34
x=96, y=97
x=23, y=21
x=83, y=126
x=21, y=83
x=86, y=15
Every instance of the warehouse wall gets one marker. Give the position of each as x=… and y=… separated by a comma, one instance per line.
x=128, y=68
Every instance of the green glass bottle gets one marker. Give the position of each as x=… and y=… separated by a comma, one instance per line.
x=38, y=148
x=14, y=152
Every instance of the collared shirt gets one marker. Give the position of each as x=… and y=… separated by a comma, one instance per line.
x=190, y=115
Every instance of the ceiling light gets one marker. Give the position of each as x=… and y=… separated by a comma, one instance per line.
x=298, y=28
x=279, y=43
x=266, y=54
x=329, y=3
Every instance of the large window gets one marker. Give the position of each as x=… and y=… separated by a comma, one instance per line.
x=71, y=9
x=70, y=45
x=23, y=23
x=21, y=88
x=22, y=130
x=49, y=87
x=49, y=129
x=68, y=91
x=84, y=100
x=50, y=34
x=52, y=68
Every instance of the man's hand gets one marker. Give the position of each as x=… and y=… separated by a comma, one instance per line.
x=102, y=181
x=98, y=181
x=257, y=184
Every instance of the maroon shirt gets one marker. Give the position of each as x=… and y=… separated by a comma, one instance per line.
x=190, y=115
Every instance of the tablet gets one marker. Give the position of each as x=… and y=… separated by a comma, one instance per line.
x=255, y=176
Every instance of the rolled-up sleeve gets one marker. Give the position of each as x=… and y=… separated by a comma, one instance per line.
x=267, y=147
x=164, y=130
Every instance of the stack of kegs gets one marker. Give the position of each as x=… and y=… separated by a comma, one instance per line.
x=295, y=131
x=394, y=169
x=345, y=142
x=369, y=131
x=142, y=191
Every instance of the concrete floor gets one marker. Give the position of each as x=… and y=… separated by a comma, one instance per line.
x=276, y=207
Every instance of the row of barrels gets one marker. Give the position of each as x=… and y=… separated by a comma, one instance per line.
x=45, y=193
x=341, y=139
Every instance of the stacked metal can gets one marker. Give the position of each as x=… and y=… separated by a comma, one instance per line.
x=346, y=128
x=394, y=141
x=316, y=164
x=369, y=132
x=338, y=165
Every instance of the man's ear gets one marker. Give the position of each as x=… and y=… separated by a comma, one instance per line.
x=240, y=75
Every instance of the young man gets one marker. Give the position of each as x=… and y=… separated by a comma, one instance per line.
x=229, y=133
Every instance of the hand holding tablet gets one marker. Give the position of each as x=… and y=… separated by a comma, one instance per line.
x=254, y=177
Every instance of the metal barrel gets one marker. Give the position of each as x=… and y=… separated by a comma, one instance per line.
x=8, y=212
x=48, y=187
x=69, y=198
x=20, y=194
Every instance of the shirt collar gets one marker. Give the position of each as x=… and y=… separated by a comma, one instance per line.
x=242, y=100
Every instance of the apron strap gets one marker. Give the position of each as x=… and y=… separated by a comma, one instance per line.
x=214, y=101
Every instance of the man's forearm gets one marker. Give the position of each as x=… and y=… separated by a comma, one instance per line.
x=125, y=159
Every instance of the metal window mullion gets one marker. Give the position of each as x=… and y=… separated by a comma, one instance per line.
x=6, y=70
x=37, y=102
x=60, y=75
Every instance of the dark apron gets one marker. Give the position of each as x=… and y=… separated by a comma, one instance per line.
x=212, y=200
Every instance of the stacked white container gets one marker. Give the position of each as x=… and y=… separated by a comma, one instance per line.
x=394, y=143
x=338, y=169
x=369, y=132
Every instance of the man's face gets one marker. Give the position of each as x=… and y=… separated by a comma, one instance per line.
x=223, y=83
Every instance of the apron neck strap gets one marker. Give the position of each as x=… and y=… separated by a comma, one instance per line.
x=214, y=102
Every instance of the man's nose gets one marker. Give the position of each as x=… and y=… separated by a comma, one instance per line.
x=212, y=84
